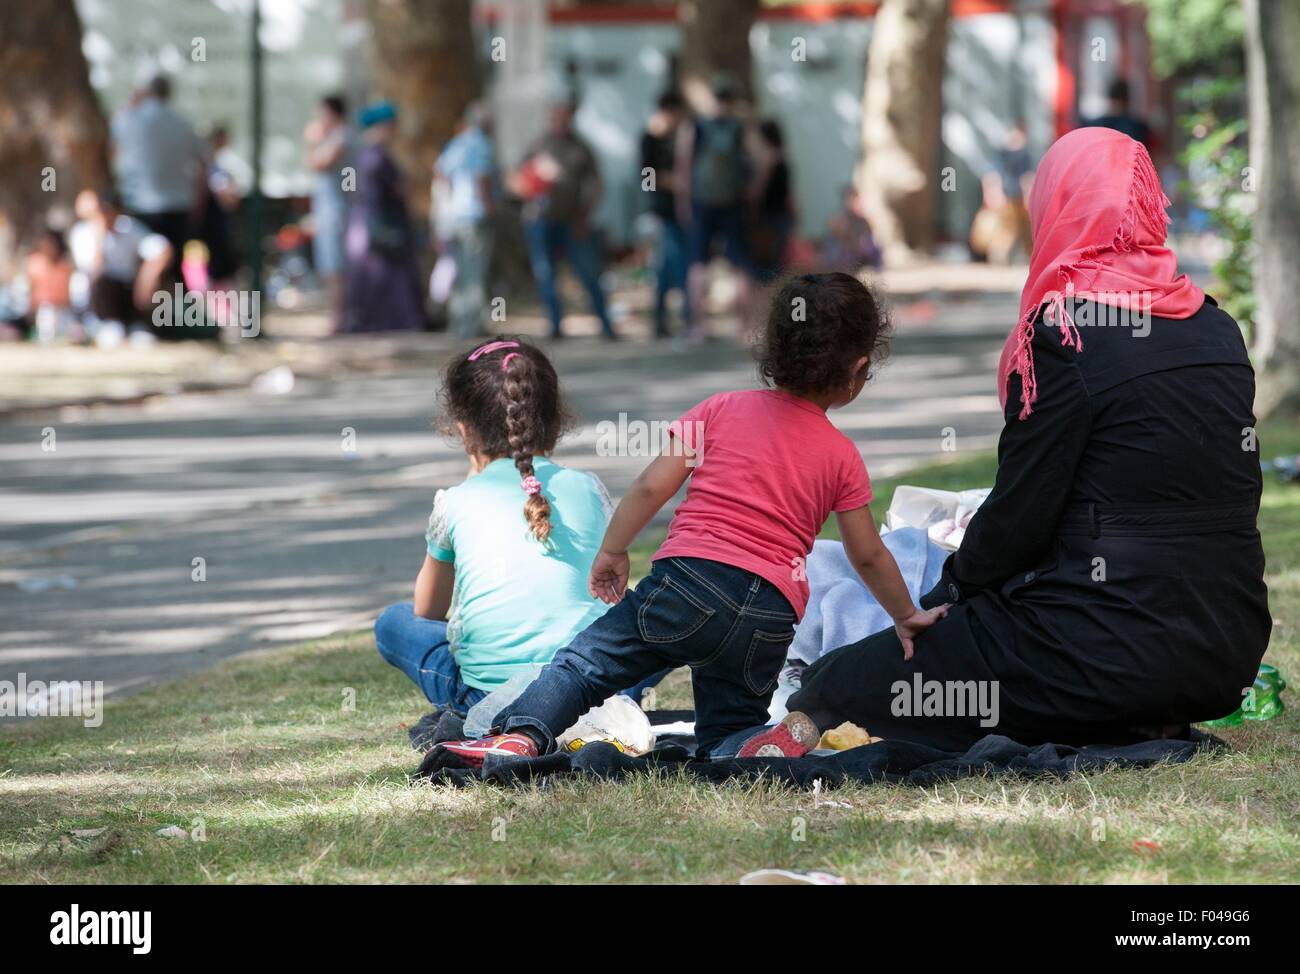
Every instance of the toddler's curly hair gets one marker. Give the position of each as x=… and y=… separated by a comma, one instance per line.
x=817, y=327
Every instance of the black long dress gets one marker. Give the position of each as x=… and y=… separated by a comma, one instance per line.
x=1113, y=581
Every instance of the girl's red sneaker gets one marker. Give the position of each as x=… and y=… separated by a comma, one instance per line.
x=473, y=752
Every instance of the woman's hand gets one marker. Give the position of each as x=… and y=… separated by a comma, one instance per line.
x=915, y=624
x=608, y=579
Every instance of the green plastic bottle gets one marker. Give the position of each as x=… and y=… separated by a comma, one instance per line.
x=1262, y=702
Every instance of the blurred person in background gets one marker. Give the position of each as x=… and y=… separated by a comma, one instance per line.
x=161, y=166
x=1000, y=231
x=771, y=203
x=49, y=276
x=123, y=265
x=221, y=202
x=382, y=289
x=465, y=184
x=330, y=147
x=1119, y=114
x=658, y=155
x=714, y=176
x=559, y=183
x=849, y=245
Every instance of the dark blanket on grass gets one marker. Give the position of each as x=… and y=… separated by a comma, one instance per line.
x=890, y=760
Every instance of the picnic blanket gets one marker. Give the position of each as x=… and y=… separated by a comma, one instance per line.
x=894, y=761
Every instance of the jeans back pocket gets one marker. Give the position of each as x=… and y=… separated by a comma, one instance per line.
x=766, y=656
x=671, y=612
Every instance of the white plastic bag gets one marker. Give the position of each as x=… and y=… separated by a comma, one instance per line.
x=942, y=514
x=617, y=719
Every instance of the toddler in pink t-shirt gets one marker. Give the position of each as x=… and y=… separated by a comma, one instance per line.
x=764, y=469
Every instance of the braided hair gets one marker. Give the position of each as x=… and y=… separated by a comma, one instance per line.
x=505, y=395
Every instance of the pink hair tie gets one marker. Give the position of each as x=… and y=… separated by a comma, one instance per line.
x=531, y=485
x=489, y=348
x=505, y=362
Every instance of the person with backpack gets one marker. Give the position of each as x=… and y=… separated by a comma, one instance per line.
x=715, y=173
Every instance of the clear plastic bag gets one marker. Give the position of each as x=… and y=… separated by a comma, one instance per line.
x=478, y=721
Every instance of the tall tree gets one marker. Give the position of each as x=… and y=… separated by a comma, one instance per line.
x=715, y=41
x=53, y=136
x=423, y=58
x=902, y=110
x=1273, y=92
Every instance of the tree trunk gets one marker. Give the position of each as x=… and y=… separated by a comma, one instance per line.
x=423, y=58
x=53, y=136
x=715, y=42
x=1273, y=88
x=902, y=110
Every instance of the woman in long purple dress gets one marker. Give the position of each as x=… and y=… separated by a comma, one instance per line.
x=382, y=285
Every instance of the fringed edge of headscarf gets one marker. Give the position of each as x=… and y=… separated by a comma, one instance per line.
x=1146, y=204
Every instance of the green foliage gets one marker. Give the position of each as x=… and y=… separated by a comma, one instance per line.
x=1217, y=163
x=1194, y=35
x=1199, y=44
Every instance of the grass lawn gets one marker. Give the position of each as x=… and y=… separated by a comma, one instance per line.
x=276, y=782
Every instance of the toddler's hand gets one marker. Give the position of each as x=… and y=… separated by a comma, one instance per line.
x=917, y=623
x=608, y=579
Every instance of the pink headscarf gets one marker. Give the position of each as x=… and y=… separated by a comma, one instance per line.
x=1097, y=214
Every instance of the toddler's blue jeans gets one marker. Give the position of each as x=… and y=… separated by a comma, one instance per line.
x=731, y=627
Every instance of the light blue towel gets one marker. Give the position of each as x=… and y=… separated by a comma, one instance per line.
x=840, y=608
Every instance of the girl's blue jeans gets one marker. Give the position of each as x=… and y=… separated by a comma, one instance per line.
x=418, y=647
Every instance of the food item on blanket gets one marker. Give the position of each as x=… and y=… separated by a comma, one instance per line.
x=847, y=735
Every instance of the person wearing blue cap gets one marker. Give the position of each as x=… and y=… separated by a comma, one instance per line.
x=378, y=113
x=382, y=287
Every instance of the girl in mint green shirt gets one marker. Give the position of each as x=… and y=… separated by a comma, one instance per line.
x=504, y=580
